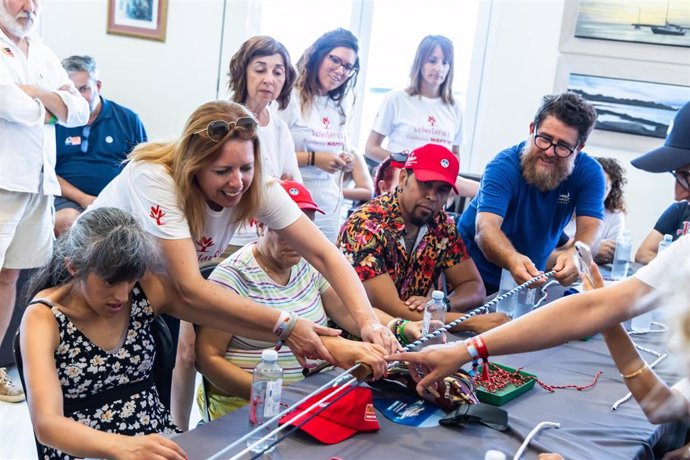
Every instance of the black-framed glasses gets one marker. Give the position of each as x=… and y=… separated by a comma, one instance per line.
x=561, y=150
x=349, y=69
x=219, y=129
x=84, y=146
x=683, y=178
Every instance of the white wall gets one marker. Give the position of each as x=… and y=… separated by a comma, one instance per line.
x=164, y=82
x=523, y=63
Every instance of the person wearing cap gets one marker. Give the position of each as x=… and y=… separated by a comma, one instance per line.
x=673, y=157
x=572, y=317
x=401, y=243
x=272, y=273
x=528, y=194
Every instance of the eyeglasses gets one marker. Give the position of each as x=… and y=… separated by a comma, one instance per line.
x=349, y=69
x=544, y=143
x=219, y=129
x=683, y=178
x=84, y=146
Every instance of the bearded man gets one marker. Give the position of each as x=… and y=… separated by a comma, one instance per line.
x=35, y=93
x=528, y=193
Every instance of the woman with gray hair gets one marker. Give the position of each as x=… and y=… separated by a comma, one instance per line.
x=88, y=348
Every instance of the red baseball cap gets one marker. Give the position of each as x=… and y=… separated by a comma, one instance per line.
x=341, y=419
x=434, y=162
x=300, y=195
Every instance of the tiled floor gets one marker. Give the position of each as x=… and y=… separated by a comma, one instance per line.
x=16, y=434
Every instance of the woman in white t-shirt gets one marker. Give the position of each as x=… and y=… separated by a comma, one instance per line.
x=425, y=112
x=193, y=193
x=318, y=120
x=261, y=78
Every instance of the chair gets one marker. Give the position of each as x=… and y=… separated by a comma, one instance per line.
x=163, y=365
x=205, y=414
x=460, y=203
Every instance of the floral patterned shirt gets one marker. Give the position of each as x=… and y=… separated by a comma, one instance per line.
x=373, y=241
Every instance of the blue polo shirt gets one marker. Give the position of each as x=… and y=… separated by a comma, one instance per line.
x=111, y=137
x=532, y=220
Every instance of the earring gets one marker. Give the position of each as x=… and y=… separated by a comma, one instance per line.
x=398, y=189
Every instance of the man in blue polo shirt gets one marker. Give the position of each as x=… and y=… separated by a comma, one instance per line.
x=89, y=156
x=528, y=193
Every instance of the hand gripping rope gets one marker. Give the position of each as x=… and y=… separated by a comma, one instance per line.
x=349, y=379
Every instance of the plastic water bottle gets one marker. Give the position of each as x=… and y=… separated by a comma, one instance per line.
x=621, y=259
x=665, y=243
x=264, y=403
x=643, y=322
x=435, y=309
x=507, y=305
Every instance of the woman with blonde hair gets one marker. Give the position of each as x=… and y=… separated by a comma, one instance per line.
x=193, y=193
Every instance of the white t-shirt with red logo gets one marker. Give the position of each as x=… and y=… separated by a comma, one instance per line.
x=412, y=121
x=147, y=191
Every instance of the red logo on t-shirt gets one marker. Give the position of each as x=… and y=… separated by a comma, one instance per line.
x=204, y=243
x=684, y=230
x=431, y=120
x=326, y=122
x=157, y=214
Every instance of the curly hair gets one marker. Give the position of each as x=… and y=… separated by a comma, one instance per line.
x=572, y=110
x=612, y=167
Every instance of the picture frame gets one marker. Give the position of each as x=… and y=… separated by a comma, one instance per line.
x=571, y=44
x=620, y=69
x=138, y=18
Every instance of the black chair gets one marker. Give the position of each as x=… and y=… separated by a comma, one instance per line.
x=460, y=203
x=163, y=365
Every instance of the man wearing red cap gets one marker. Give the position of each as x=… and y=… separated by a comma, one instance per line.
x=528, y=194
x=401, y=242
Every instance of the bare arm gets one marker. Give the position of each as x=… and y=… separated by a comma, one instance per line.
x=382, y=292
x=498, y=249
x=373, y=147
x=325, y=257
x=649, y=247
x=364, y=186
x=565, y=319
x=39, y=340
x=206, y=303
x=72, y=193
x=227, y=377
x=468, y=287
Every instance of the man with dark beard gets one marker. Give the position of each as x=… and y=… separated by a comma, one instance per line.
x=528, y=194
x=401, y=242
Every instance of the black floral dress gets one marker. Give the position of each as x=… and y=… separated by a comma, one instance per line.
x=85, y=371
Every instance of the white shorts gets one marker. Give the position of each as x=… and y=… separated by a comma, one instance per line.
x=26, y=229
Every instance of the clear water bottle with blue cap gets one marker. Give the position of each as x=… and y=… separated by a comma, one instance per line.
x=434, y=316
x=621, y=258
x=264, y=402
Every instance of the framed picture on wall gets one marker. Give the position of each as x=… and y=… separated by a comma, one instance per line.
x=659, y=22
x=630, y=106
x=138, y=18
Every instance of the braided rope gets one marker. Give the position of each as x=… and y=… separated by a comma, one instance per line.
x=347, y=376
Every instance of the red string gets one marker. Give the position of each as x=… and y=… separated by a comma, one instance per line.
x=493, y=378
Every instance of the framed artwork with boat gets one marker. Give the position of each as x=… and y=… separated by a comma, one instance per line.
x=658, y=22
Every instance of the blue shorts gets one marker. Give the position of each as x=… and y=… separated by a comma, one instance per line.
x=64, y=203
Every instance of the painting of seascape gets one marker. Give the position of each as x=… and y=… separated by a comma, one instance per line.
x=659, y=22
x=631, y=106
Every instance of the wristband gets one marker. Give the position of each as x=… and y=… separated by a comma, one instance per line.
x=282, y=321
x=53, y=119
x=479, y=344
x=285, y=333
x=471, y=349
x=312, y=157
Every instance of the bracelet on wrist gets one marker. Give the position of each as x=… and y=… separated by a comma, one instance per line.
x=637, y=373
x=281, y=323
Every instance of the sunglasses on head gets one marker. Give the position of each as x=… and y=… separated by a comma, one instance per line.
x=219, y=129
x=398, y=159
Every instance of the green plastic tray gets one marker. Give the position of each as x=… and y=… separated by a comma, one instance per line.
x=509, y=392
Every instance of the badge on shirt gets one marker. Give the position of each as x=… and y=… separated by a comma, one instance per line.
x=74, y=140
x=7, y=52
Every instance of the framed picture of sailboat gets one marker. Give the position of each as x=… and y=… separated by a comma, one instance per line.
x=630, y=106
x=658, y=22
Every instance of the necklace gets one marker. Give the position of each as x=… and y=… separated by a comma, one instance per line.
x=275, y=275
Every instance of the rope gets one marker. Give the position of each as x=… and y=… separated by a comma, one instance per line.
x=347, y=378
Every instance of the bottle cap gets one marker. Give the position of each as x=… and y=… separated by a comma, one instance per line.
x=269, y=355
x=437, y=295
x=494, y=455
x=668, y=237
